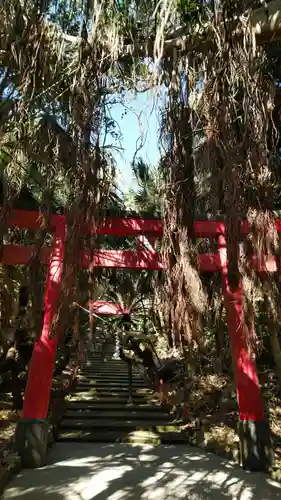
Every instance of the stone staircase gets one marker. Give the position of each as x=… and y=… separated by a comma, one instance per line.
x=99, y=410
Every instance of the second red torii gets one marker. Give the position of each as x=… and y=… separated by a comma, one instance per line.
x=128, y=259
x=103, y=308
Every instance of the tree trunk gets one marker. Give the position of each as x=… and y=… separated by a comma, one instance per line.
x=187, y=370
x=276, y=350
x=12, y=365
x=220, y=342
x=273, y=330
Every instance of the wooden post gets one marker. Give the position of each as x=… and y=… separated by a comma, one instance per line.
x=254, y=433
x=32, y=429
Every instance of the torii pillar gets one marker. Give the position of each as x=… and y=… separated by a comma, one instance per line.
x=256, y=451
x=31, y=437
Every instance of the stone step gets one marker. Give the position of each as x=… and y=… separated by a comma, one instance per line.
x=135, y=437
x=113, y=406
x=102, y=397
x=99, y=409
x=107, y=365
x=105, y=362
x=102, y=361
x=111, y=391
x=127, y=414
x=100, y=385
x=117, y=377
x=107, y=373
x=106, y=385
x=109, y=395
x=94, y=364
x=94, y=357
x=109, y=360
x=107, y=399
x=118, y=389
x=110, y=379
x=109, y=376
x=114, y=377
x=107, y=369
x=94, y=395
x=147, y=425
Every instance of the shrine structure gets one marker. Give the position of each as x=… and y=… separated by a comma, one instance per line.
x=31, y=435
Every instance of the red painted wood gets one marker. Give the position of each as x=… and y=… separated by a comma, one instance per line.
x=127, y=259
x=123, y=259
x=248, y=391
x=115, y=226
x=106, y=308
x=30, y=219
x=118, y=226
x=40, y=373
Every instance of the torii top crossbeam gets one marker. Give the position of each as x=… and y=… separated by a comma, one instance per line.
x=121, y=226
x=124, y=227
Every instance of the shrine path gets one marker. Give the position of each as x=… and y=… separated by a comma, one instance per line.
x=92, y=471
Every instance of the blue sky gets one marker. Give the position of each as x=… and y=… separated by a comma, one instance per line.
x=141, y=119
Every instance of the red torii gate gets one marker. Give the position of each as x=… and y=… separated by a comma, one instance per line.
x=254, y=430
x=103, y=308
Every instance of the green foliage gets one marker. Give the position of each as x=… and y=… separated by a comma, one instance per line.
x=190, y=10
x=146, y=197
x=67, y=14
x=186, y=6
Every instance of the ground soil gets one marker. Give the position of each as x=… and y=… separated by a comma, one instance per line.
x=212, y=400
x=9, y=417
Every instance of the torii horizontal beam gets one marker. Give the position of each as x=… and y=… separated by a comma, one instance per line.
x=124, y=227
x=126, y=259
x=114, y=226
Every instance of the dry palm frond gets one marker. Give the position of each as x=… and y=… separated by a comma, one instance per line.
x=235, y=111
x=182, y=292
x=57, y=120
x=10, y=280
